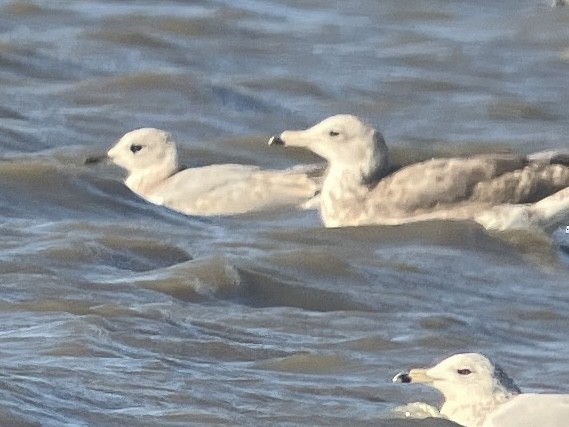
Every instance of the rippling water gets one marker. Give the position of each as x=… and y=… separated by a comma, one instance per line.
x=116, y=312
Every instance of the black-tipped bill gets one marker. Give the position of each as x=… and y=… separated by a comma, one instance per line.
x=276, y=140
x=402, y=377
x=93, y=160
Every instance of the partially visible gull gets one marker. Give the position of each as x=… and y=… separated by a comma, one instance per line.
x=479, y=394
x=499, y=191
x=150, y=158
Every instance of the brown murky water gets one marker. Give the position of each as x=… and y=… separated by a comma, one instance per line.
x=114, y=312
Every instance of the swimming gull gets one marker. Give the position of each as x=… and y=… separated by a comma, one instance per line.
x=500, y=191
x=479, y=394
x=150, y=157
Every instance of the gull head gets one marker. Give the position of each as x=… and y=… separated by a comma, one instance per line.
x=144, y=149
x=344, y=141
x=464, y=377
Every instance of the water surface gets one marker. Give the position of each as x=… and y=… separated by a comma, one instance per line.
x=114, y=312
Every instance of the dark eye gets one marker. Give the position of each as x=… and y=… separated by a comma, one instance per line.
x=334, y=133
x=135, y=148
x=464, y=371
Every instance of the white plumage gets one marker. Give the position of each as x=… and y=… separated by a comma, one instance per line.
x=479, y=394
x=150, y=158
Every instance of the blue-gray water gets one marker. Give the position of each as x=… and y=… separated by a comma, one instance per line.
x=114, y=312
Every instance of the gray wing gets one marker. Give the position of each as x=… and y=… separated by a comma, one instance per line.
x=540, y=410
x=528, y=185
x=435, y=182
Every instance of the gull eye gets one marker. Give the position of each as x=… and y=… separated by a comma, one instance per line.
x=135, y=148
x=333, y=133
x=464, y=371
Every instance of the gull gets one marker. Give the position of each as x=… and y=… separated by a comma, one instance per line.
x=478, y=393
x=499, y=191
x=150, y=158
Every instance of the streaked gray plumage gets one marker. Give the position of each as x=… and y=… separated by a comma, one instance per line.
x=498, y=191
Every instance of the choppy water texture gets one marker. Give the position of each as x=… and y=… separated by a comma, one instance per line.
x=114, y=312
